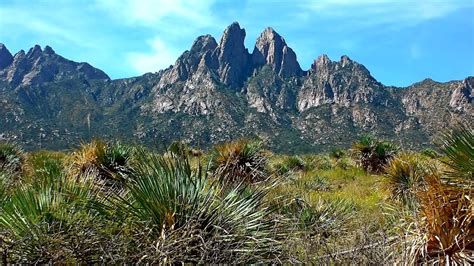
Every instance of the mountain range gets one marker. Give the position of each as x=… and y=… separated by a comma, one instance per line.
x=219, y=91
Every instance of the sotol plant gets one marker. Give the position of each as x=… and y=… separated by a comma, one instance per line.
x=404, y=176
x=443, y=230
x=11, y=157
x=373, y=154
x=192, y=219
x=239, y=161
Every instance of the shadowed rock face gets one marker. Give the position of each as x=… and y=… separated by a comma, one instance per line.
x=232, y=56
x=218, y=91
x=6, y=57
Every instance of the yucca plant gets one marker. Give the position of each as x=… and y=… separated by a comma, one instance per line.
x=109, y=161
x=289, y=164
x=458, y=146
x=404, y=176
x=239, y=161
x=373, y=154
x=192, y=219
x=49, y=220
x=11, y=157
x=326, y=217
x=443, y=230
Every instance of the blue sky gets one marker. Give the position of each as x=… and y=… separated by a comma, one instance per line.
x=400, y=42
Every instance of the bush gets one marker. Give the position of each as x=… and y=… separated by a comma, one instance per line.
x=11, y=157
x=337, y=153
x=430, y=153
x=324, y=218
x=373, y=154
x=192, y=220
x=49, y=221
x=109, y=161
x=458, y=146
x=239, y=161
x=444, y=229
x=404, y=176
x=289, y=164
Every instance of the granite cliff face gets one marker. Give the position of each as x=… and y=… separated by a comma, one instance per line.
x=217, y=91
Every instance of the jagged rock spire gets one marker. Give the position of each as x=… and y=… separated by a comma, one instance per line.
x=232, y=56
x=272, y=49
x=6, y=57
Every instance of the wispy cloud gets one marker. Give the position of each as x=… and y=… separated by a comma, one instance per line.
x=376, y=13
x=171, y=25
x=152, y=12
x=160, y=56
x=13, y=18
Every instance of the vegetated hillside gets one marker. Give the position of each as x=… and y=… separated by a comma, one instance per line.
x=219, y=91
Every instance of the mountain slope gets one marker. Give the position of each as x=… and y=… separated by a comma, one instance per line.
x=218, y=91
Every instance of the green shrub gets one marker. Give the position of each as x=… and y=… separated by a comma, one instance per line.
x=48, y=220
x=191, y=219
x=289, y=164
x=109, y=161
x=337, y=153
x=373, y=154
x=458, y=146
x=239, y=161
x=11, y=157
x=430, y=153
x=324, y=218
x=405, y=175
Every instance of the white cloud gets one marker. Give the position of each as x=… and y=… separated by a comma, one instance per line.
x=152, y=12
x=160, y=57
x=391, y=13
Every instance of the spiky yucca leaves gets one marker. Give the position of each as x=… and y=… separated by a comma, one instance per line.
x=239, y=161
x=192, y=220
x=49, y=220
x=443, y=232
x=11, y=157
x=458, y=146
x=373, y=154
x=404, y=176
x=109, y=161
x=325, y=217
x=289, y=164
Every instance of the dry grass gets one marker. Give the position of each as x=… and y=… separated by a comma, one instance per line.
x=445, y=223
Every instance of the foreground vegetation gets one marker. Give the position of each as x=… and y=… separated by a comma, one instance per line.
x=113, y=203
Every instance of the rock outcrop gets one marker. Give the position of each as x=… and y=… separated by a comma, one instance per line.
x=6, y=57
x=232, y=56
x=39, y=66
x=271, y=49
x=342, y=83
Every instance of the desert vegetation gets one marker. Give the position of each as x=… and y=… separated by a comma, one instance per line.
x=108, y=202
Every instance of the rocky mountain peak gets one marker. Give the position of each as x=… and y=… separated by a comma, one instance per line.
x=48, y=50
x=322, y=60
x=39, y=66
x=34, y=52
x=345, y=60
x=232, y=56
x=203, y=44
x=271, y=49
x=6, y=57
